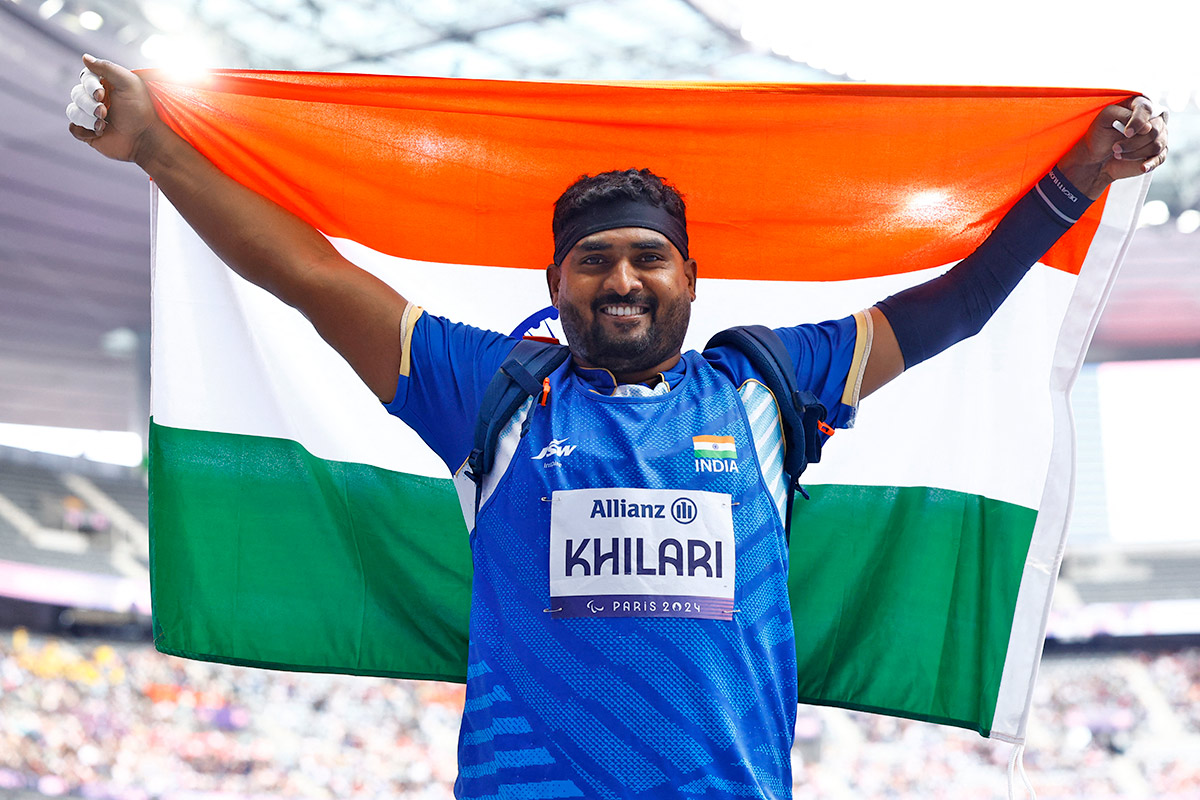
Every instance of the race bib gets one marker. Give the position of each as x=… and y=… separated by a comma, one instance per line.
x=641, y=553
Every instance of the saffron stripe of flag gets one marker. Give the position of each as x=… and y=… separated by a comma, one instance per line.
x=714, y=446
x=296, y=525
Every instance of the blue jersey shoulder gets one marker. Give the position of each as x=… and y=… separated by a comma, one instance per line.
x=452, y=364
x=823, y=356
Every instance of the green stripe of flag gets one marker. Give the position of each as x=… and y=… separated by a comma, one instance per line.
x=903, y=599
x=706, y=453
x=265, y=555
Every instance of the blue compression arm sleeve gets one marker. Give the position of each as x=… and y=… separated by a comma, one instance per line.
x=929, y=318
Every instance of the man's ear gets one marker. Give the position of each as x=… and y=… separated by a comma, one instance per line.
x=553, y=275
x=690, y=270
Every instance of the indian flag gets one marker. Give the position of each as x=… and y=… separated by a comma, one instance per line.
x=296, y=525
x=714, y=447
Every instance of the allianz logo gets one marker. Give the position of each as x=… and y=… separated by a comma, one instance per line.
x=683, y=510
x=556, y=449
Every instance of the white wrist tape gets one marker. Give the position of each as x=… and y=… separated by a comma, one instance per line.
x=1155, y=111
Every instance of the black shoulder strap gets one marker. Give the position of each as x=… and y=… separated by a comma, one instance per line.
x=801, y=411
x=520, y=377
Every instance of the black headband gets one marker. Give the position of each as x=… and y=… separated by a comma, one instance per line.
x=620, y=214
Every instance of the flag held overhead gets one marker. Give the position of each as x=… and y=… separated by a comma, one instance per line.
x=296, y=525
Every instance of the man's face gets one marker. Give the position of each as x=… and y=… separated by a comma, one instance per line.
x=625, y=297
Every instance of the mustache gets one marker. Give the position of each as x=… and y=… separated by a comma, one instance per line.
x=631, y=299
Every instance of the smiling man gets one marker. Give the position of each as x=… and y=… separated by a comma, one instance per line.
x=630, y=628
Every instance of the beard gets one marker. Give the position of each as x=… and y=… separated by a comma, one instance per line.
x=628, y=352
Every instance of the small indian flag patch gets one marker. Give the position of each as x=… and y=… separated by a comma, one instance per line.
x=714, y=447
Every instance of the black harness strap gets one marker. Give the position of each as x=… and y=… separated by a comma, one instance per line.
x=520, y=377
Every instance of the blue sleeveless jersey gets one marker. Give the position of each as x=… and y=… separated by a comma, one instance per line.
x=627, y=706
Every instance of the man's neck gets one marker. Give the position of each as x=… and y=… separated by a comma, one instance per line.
x=649, y=376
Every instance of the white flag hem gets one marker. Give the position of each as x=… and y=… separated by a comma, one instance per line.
x=1096, y=278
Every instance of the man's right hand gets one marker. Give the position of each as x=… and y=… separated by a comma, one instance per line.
x=111, y=110
x=358, y=314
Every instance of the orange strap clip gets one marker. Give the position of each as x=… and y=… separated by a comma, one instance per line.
x=821, y=426
x=545, y=390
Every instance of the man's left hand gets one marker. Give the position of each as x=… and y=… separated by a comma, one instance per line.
x=1123, y=141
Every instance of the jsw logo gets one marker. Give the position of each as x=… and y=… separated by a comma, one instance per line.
x=556, y=449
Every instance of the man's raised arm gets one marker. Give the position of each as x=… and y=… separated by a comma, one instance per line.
x=355, y=312
x=1123, y=141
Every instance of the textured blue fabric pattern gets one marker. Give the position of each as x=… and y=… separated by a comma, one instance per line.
x=689, y=700
x=621, y=707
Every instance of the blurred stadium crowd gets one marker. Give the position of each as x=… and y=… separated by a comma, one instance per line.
x=117, y=720
x=123, y=721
